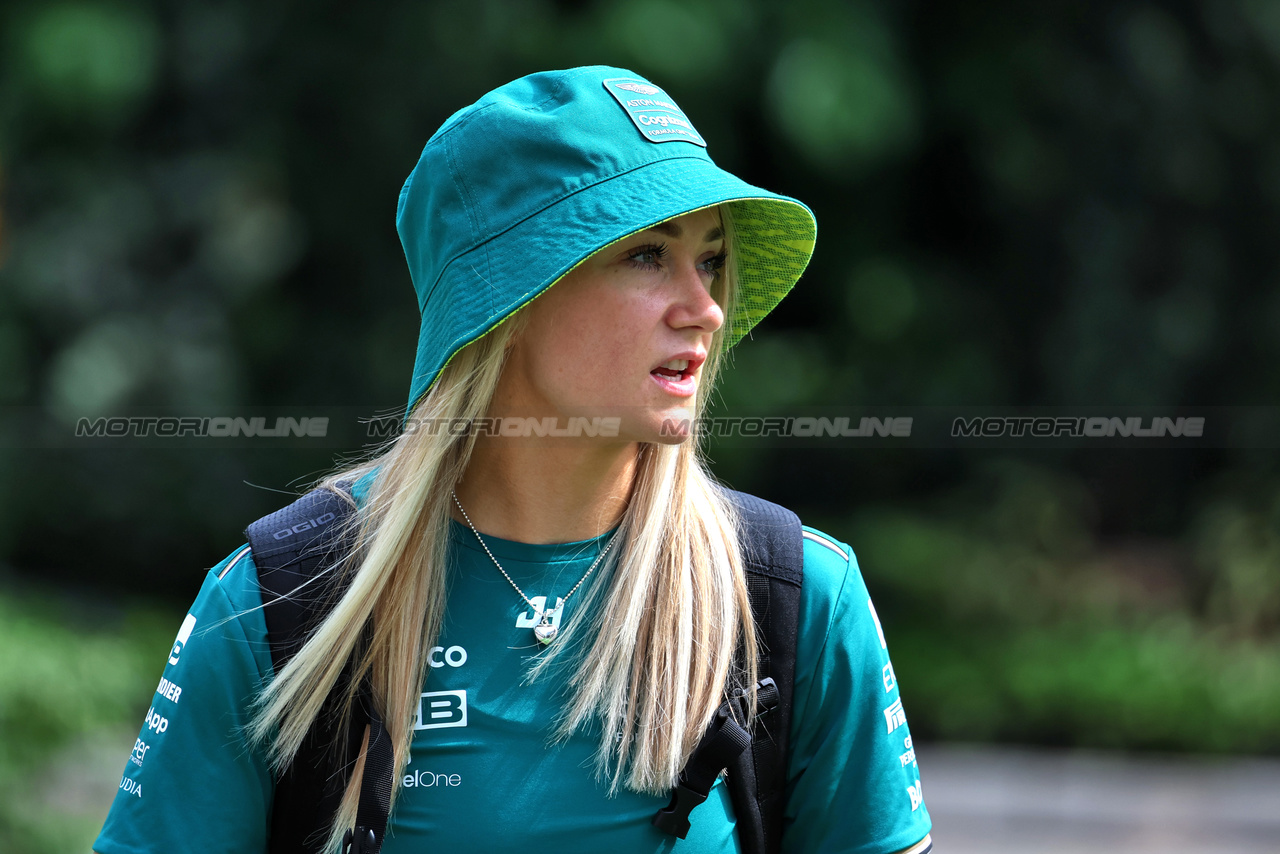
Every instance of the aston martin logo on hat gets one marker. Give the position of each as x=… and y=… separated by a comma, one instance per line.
x=654, y=114
x=640, y=88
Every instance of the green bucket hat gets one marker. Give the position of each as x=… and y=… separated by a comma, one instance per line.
x=517, y=189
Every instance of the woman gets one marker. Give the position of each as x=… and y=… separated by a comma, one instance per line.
x=577, y=602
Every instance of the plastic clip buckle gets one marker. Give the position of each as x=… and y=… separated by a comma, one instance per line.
x=674, y=817
x=362, y=841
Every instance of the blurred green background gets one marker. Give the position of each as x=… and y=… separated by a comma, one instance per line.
x=1050, y=204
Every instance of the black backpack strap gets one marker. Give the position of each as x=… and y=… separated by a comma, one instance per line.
x=292, y=548
x=773, y=549
x=723, y=742
x=375, y=787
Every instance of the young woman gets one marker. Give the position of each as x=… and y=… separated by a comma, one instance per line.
x=546, y=597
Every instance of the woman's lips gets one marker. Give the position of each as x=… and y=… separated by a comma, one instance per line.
x=679, y=374
x=683, y=384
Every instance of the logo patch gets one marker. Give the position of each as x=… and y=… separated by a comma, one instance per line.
x=639, y=88
x=539, y=603
x=653, y=112
x=156, y=723
x=916, y=794
x=168, y=690
x=879, y=628
x=438, y=709
x=894, y=716
x=139, y=753
x=184, y=634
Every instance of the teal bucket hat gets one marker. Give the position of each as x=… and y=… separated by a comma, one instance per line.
x=514, y=191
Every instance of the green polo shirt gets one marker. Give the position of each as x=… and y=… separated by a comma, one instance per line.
x=483, y=774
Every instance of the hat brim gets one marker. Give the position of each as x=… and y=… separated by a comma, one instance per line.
x=775, y=237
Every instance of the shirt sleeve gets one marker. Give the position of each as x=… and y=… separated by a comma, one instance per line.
x=192, y=782
x=853, y=781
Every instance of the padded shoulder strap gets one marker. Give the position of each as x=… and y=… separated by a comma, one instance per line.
x=291, y=548
x=773, y=548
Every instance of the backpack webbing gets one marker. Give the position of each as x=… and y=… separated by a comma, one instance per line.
x=292, y=547
x=774, y=552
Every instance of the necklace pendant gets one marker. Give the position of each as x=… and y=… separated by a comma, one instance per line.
x=544, y=621
x=545, y=632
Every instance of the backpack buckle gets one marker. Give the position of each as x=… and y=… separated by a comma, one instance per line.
x=674, y=817
x=767, y=699
x=362, y=841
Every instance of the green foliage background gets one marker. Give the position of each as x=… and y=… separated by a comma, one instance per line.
x=1019, y=205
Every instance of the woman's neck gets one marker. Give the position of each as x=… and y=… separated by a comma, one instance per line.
x=553, y=492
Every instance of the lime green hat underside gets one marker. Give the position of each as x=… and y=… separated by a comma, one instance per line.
x=775, y=239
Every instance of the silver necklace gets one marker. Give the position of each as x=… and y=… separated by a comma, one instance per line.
x=548, y=619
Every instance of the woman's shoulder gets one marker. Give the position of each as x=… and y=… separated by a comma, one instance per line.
x=832, y=579
x=227, y=612
x=235, y=577
x=826, y=559
x=829, y=566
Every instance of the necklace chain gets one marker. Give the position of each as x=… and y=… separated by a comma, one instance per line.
x=540, y=614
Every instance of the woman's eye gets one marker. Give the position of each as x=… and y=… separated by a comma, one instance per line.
x=648, y=257
x=714, y=264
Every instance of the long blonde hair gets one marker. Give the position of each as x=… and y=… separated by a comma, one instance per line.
x=671, y=630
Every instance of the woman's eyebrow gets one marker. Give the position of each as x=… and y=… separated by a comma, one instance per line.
x=673, y=229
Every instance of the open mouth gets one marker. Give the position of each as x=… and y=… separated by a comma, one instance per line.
x=675, y=370
x=679, y=376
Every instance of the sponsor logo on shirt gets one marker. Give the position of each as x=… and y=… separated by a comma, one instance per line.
x=429, y=780
x=889, y=679
x=156, y=723
x=440, y=709
x=169, y=691
x=130, y=787
x=894, y=716
x=183, y=634
x=139, y=753
x=910, y=756
x=454, y=656
x=539, y=603
x=879, y=628
x=916, y=793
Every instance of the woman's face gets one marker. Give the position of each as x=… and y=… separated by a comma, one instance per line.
x=624, y=334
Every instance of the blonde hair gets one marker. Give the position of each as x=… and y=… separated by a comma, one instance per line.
x=660, y=643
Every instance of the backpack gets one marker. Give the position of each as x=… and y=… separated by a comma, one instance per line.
x=292, y=546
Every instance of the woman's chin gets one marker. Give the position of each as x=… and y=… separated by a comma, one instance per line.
x=671, y=426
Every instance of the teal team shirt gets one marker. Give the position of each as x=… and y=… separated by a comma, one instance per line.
x=483, y=775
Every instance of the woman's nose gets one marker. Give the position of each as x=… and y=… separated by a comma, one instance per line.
x=694, y=306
